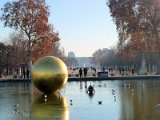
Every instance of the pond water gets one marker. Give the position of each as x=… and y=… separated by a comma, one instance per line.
x=113, y=100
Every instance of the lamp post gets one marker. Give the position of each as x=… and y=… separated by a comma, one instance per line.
x=0, y=63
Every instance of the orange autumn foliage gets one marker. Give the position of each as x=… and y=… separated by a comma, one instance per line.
x=31, y=17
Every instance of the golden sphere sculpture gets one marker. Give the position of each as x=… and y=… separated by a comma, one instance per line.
x=49, y=74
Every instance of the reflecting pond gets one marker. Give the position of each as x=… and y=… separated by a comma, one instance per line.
x=113, y=100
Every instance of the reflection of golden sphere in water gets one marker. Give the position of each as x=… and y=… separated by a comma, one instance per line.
x=52, y=107
x=49, y=74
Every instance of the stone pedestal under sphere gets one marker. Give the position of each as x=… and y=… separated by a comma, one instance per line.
x=49, y=74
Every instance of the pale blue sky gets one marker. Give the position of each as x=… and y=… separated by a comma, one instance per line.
x=83, y=25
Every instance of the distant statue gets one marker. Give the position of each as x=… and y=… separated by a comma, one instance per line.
x=143, y=69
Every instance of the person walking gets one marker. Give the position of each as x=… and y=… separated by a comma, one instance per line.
x=27, y=73
x=80, y=72
x=132, y=70
x=103, y=69
x=24, y=73
x=85, y=72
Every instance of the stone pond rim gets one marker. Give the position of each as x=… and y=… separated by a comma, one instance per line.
x=155, y=77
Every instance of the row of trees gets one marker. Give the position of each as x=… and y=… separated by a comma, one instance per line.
x=14, y=53
x=138, y=27
x=110, y=58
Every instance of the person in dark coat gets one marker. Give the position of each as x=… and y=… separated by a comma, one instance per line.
x=80, y=72
x=27, y=73
x=24, y=73
x=85, y=72
x=132, y=71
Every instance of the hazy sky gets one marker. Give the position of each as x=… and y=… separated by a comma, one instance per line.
x=83, y=25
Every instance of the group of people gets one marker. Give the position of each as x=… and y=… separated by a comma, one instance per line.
x=122, y=70
x=84, y=71
x=25, y=73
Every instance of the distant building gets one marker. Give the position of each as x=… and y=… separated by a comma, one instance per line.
x=72, y=60
x=80, y=61
x=85, y=62
x=71, y=55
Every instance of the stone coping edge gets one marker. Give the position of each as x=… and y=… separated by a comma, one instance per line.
x=87, y=78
